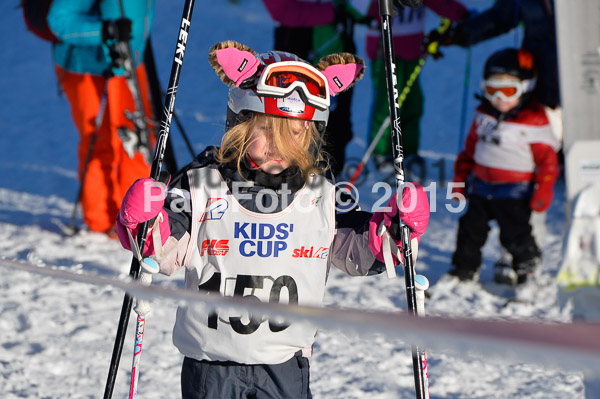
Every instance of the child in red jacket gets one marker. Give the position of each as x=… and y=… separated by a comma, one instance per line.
x=511, y=151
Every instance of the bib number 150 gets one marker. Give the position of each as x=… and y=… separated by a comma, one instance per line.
x=245, y=282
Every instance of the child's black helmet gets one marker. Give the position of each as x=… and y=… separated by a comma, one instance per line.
x=510, y=61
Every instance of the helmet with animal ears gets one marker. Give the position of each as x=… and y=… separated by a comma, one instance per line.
x=281, y=83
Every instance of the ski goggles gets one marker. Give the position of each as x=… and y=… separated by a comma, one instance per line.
x=506, y=90
x=282, y=78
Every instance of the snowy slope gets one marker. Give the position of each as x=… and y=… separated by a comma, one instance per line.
x=56, y=336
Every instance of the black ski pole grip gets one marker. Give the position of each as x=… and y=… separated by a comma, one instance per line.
x=386, y=7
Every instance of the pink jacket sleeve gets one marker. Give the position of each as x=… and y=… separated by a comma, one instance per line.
x=300, y=14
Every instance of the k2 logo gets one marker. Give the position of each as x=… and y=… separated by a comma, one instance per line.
x=215, y=247
x=215, y=209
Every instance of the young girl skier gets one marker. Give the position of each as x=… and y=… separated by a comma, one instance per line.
x=511, y=151
x=256, y=218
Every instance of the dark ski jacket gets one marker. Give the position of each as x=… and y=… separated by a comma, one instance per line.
x=539, y=38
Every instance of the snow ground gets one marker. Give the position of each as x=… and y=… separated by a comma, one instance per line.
x=56, y=336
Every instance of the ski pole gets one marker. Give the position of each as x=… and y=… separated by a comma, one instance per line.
x=163, y=136
x=158, y=93
x=149, y=267
x=157, y=103
x=137, y=116
x=465, y=98
x=386, y=11
x=431, y=49
x=184, y=135
x=71, y=229
x=421, y=284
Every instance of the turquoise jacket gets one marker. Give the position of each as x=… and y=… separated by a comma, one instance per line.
x=78, y=26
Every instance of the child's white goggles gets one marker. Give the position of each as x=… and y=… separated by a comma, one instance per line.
x=506, y=90
x=280, y=79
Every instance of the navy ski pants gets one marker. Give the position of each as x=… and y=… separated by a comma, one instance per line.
x=512, y=216
x=202, y=379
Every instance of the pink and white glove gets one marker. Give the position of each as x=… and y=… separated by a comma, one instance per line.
x=143, y=201
x=414, y=213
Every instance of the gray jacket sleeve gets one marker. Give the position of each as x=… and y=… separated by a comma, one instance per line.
x=350, y=250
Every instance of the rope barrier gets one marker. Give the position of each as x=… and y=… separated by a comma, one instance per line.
x=566, y=345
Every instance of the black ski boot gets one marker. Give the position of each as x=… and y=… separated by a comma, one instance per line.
x=503, y=270
x=463, y=274
x=525, y=269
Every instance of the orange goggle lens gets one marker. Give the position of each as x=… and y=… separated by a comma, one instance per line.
x=507, y=91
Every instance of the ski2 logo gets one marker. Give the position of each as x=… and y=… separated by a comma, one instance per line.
x=311, y=252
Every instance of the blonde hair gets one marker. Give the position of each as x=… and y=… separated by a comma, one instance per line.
x=303, y=152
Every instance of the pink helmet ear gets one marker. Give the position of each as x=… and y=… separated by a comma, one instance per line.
x=341, y=70
x=233, y=62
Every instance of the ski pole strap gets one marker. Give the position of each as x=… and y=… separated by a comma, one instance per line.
x=389, y=249
x=156, y=238
x=134, y=245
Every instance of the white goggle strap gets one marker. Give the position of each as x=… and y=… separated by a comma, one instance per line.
x=528, y=84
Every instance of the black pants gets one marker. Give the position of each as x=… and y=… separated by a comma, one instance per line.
x=202, y=379
x=512, y=216
x=339, y=131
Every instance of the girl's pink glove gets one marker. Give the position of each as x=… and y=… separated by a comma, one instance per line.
x=414, y=213
x=143, y=201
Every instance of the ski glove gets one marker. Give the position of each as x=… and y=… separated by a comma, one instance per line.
x=459, y=190
x=455, y=35
x=414, y=212
x=118, y=30
x=542, y=196
x=143, y=201
x=433, y=40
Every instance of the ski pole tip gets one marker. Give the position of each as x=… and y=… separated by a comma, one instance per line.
x=150, y=265
x=421, y=282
